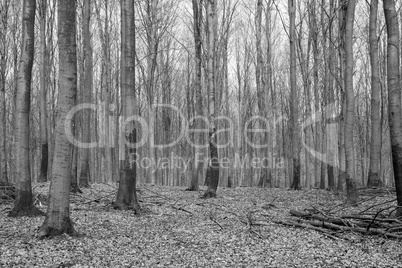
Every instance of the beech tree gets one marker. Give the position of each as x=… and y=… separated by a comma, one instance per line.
x=197, y=175
x=87, y=93
x=294, y=131
x=3, y=66
x=43, y=75
x=351, y=187
x=375, y=145
x=127, y=195
x=57, y=219
x=394, y=96
x=24, y=202
x=213, y=166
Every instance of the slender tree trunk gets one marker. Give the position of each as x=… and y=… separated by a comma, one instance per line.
x=261, y=87
x=87, y=93
x=375, y=145
x=330, y=97
x=198, y=171
x=213, y=178
x=151, y=69
x=126, y=195
x=342, y=163
x=294, y=131
x=394, y=96
x=351, y=188
x=317, y=126
x=24, y=203
x=57, y=219
x=43, y=113
x=3, y=112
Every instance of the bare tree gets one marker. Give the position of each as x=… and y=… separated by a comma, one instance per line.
x=375, y=146
x=293, y=98
x=261, y=89
x=57, y=219
x=352, y=194
x=213, y=166
x=87, y=92
x=3, y=65
x=197, y=176
x=43, y=74
x=394, y=96
x=24, y=202
x=127, y=196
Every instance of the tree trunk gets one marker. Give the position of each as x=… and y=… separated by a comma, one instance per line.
x=394, y=97
x=351, y=188
x=3, y=67
x=198, y=171
x=293, y=98
x=261, y=94
x=331, y=153
x=43, y=113
x=375, y=145
x=126, y=195
x=87, y=93
x=24, y=203
x=213, y=166
x=57, y=219
x=152, y=43
x=342, y=164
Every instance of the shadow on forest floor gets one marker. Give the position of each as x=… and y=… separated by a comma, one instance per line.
x=178, y=229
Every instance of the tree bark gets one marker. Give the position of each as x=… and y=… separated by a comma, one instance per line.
x=341, y=50
x=261, y=87
x=57, y=219
x=351, y=188
x=394, y=96
x=3, y=67
x=87, y=93
x=213, y=166
x=375, y=146
x=294, y=131
x=126, y=195
x=198, y=172
x=24, y=203
x=43, y=113
x=331, y=153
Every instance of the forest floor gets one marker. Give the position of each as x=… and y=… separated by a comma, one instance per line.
x=177, y=228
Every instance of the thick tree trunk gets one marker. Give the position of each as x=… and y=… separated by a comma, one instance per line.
x=394, y=96
x=375, y=146
x=3, y=66
x=261, y=93
x=213, y=166
x=341, y=50
x=351, y=188
x=198, y=171
x=57, y=219
x=43, y=113
x=126, y=195
x=331, y=153
x=87, y=93
x=152, y=40
x=24, y=202
x=294, y=131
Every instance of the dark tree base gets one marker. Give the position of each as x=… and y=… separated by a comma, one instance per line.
x=192, y=189
x=134, y=207
x=374, y=180
x=209, y=194
x=75, y=189
x=84, y=183
x=20, y=211
x=49, y=232
x=42, y=178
